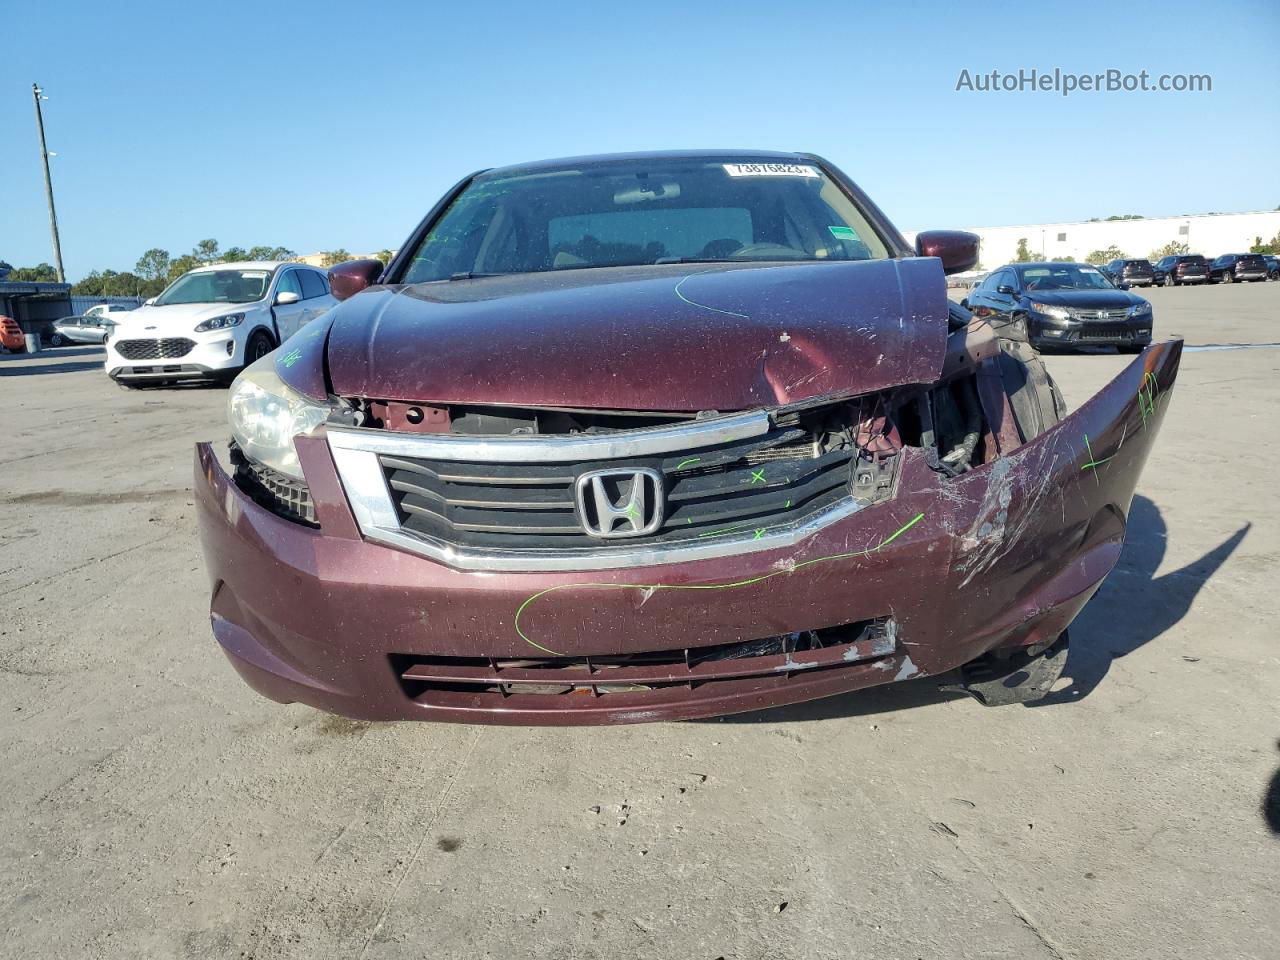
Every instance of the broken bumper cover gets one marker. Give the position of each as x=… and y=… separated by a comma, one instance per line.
x=1004, y=556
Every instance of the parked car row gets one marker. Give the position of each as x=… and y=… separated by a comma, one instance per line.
x=1192, y=268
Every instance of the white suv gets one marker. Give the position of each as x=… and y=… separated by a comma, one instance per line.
x=214, y=321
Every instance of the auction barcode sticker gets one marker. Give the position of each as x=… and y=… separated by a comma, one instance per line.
x=770, y=170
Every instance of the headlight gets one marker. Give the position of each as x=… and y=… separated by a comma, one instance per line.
x=1049, y=310
x=1143, y=307
x=266, y=414
x=220, y=323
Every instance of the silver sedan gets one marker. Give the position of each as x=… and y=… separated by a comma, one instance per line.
x=87, y=329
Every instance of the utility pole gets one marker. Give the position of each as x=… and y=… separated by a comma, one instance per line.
x=48, y=185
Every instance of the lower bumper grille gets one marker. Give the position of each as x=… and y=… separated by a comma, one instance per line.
x=167, y=349
x=1105, y=333
x=645, y=674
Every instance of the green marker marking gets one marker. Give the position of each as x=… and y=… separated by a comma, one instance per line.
x=787, y=504
x=1094, y=462
x=292, y=357
x=684, y=463
x=759, y=533
x=843, y=233
x=712, y=533
x=750, y=581
x=757, y=476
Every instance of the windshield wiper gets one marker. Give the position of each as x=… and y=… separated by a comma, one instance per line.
x=470, y=275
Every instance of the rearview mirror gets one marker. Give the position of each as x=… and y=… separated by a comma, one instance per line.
x=348, y=279
x=287, y=296
x=957, y=249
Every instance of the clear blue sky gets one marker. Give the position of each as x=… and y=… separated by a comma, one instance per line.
x=332, y=125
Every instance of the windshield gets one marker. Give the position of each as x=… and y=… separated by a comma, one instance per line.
x=1064, y=276
x=217, y=286
x=643, y=212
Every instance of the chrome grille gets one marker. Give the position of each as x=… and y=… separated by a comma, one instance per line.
x=504, y=502
x=1112, y=315
x=167, y=349
x=709, y=491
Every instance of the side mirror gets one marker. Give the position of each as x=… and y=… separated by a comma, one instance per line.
x=348, y=279
x=1007, y=290
x=287, y=296
x=1122, y=285
x=957, y=249
x=150, y=301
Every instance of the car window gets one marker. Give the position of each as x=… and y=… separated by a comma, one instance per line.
x=216, y=286
x=288, y=283
x=1064, y=276
x=312, y=284
x=641, y=212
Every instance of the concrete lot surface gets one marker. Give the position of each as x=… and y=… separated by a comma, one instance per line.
x=154, y=806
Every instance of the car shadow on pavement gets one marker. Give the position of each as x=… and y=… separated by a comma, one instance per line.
x=46, y=369
x=1271, y=801
x=1132, y=608
x=54, y=360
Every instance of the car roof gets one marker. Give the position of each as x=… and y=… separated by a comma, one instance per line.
x=603, y=159
x=1043, y=263
x=251, y=265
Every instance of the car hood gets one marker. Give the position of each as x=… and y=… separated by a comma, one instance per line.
x=662, y=338
x=172, y=320
x=1089, y=299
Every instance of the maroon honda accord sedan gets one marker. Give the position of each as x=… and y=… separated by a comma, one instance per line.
x=659, y=436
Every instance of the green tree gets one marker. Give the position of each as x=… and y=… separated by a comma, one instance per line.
x=40, y=273
x=1024, y=255
x=90, y=286
x=234, y=255
x=1105, y=256
x=180, y=266
x=1272, y=246
x=385, y=256
x=1171, y=249
x=270, y=253
x=334, y=257
x=206, y=251
x=153, y=265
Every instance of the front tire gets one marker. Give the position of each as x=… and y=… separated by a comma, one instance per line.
x=1170, y=282
x=259, y=345
x=57, y=340
x=1228, y=277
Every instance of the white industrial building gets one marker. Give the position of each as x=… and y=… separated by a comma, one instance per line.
x=1211, y=234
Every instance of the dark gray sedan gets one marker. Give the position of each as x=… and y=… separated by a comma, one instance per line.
x=1064, y=305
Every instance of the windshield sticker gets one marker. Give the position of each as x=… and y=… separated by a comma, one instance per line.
x=770, y=170
x=254, y=274
x=1087, y=270
x=843, y=233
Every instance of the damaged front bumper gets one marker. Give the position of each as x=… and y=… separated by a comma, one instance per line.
x=926, y=580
